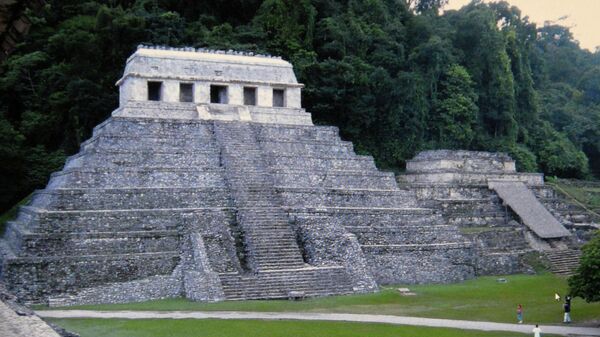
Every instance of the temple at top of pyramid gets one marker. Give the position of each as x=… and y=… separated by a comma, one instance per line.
x=210, y=85
x=210, y=182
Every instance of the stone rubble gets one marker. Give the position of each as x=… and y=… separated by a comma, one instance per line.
x=17, y=320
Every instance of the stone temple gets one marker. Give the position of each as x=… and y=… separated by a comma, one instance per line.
x=503, y=213
x=211, y=182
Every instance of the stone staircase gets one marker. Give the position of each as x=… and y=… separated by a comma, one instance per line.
x=270, y=243
x=493, y=228
x=275, y=211
x=274, y=267
x=563, y=261
x=273, y=284
x=574, y=217
x=530, y=210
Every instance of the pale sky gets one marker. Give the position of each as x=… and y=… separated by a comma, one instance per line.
x=583, y=16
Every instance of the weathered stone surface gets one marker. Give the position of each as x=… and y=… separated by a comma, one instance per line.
x=464, y=167
x=202, y=68
x=17, y=320
x=530, y=210
x=221, y=201
x=457, y=182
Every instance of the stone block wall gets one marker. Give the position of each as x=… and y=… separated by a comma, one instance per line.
x=115, y=217
x=384, y=220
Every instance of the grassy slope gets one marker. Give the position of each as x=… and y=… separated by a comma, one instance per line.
x=482, y=299
x=253, y=328
x=587, y=193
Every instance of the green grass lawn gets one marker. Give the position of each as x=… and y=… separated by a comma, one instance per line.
x=482, y=299
x=256, y=328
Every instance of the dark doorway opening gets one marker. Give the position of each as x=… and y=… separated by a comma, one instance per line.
x=218, y=94
x=278, y=97
x=154, y=91
x=186, y=92
x=249, y=96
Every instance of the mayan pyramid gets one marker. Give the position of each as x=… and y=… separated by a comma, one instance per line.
x=211, y=182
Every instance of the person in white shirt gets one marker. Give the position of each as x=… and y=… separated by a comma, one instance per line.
x=537, y=332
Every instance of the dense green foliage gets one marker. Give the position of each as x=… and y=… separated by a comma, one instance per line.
x=396, y=76
x=586, y=282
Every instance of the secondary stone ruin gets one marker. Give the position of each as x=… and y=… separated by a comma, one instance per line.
x=211, y=182
x=504, y=213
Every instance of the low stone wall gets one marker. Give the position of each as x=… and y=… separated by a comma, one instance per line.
x=152, y=288
x=92, y=243
x=335, y=198
x=459, y=177
x=419, y=264
x=334, y=179
x=34, y=279
x=200, y=281
x=138, y=198
x=467, y=161
x=500, y=263
x=190, y=111
x=17, y=320
x=140, y=177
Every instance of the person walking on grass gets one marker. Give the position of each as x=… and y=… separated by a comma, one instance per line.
x=537, y=332
x=519, y=313
x=567, y=307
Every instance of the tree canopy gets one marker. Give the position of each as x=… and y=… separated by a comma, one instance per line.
x=397, y=77
x=586, y=281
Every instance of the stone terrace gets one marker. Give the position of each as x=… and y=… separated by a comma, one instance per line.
x=222, y=210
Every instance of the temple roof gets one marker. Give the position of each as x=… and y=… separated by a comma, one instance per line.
x=208, y=65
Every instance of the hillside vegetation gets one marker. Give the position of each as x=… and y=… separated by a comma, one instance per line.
x=396, y=76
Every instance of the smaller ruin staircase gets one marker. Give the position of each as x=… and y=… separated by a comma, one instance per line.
x=273, y=266
x=533, y=214
x=563, y=261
